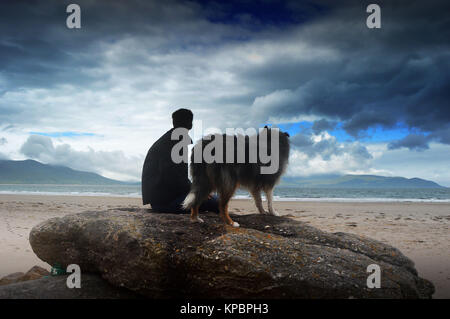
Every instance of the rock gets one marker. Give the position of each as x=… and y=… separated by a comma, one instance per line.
x=167, y=256
x=35, y=272
x=11, y=278
x=93, y=287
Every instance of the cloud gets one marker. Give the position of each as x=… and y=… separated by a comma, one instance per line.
x=323, y=125
x=326, y=147
x=132, y=63
x=335, y=79
x=61, y=56
x=301, y=140
x=113, y=164
x=300, y=164
x=441, y=135
x=323, y=63
x=38, y=146
x=417, y=142
x=369, y=78
x=3, y=141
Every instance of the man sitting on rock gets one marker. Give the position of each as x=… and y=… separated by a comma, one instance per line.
x=165, y=184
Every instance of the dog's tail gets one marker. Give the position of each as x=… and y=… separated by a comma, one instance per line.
x=199, y=192
x=189, y=201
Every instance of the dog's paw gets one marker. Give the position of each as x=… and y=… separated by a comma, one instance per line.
x=274, y=213
x=234, y=224
x=263, y=212
x=197, y=220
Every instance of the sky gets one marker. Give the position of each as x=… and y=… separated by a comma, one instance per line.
x=354, y=100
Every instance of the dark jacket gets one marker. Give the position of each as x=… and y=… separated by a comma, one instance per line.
x=162, y=179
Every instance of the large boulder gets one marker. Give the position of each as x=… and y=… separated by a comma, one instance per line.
x=166, y=256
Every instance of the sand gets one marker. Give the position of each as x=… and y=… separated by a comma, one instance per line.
x=419, y=230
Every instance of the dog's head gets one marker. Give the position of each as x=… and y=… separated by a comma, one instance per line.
x=283, y=138
x=286, y=134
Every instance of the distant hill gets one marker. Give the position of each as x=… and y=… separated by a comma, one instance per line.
x=33, y=172
x=357, y=181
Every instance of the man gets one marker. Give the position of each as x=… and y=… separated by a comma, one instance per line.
x=165, y=184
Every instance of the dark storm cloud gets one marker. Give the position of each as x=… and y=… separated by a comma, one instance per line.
x=399, y=74
x=38, y=50
x=319, y=58
x=257, y=14
x=418, y=142
x=442, y=136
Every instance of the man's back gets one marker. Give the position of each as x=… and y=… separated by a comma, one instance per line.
x=162, y=179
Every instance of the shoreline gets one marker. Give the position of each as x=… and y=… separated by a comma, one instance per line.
x=419, y=229
x=244, y=197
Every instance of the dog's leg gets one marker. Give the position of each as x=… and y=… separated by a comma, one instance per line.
x=194, y=215
x=269, y=194
x=226, y=190
x=258, y=201
x=225, y=216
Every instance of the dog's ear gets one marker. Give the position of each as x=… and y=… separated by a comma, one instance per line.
x=287, y=134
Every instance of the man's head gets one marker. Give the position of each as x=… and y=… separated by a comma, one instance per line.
x=182, y=118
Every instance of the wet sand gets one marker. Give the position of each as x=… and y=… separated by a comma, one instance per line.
x=419, y=230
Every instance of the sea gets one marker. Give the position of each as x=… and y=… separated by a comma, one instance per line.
x=280, y=193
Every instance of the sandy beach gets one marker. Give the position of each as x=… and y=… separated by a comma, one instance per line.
x=419, y=230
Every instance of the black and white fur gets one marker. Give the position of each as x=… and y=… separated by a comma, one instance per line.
x=225, y=178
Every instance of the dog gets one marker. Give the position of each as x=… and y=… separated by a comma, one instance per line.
x=225, y=177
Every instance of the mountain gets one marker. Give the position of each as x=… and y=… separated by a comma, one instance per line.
x=357, y=181
x=33, y=172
